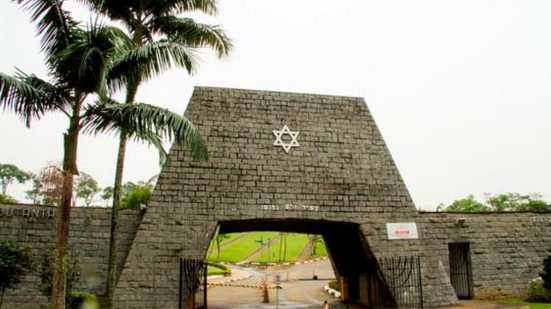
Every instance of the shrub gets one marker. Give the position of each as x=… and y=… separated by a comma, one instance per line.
x=6, y=199
x=45, y=273
x=15, y=260
x=82, y=300
x=335, y=285
x=537, y=292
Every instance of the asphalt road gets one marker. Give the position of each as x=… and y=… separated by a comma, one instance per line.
x=298, y=289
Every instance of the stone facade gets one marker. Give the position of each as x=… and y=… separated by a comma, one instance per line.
x=341, y=173
x=506, y=249
x=34, y=227
x=338, y=180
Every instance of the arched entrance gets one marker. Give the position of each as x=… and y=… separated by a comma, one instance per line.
x=296, y=161
x=350, y=255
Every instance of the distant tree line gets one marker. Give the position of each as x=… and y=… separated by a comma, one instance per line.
x=510, y=201
x=47, y=184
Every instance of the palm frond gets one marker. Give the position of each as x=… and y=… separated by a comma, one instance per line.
x=145, y=122
x=82, y=64
x=53, y=23
x=29, y=96
x=190, y=33
x=148, y=61
x=174, y=7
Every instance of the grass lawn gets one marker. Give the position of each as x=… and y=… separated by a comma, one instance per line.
x=239, y=250
x=211, y=253
x=519, y=302
x=320, y=250
x=295, y=245
x=246, y=243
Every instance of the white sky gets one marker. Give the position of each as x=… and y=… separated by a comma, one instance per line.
x=461, y=90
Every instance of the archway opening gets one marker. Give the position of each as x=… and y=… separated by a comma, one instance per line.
x=350, y=264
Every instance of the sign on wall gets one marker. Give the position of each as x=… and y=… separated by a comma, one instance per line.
x=406, y=230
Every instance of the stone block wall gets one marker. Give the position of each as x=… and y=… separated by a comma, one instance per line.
x=34, y=227
x=506, y=249
x=342, y=172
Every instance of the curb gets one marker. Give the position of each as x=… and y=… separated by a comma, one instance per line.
x=332, y=291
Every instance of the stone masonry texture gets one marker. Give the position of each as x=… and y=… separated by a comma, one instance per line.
x=342, y=173
x=32, y=227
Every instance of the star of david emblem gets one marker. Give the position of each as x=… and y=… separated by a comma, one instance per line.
x=279, y=134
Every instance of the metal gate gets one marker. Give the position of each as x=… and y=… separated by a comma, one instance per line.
x=402, y=283
x=460, y=270
x=193, y=284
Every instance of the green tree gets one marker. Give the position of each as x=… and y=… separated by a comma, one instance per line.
x=106, y=194
x=10, y=173
x=86, y=188
x=468, y=204
x=512, y=201
x=4, y=198
x=170, y=40
x=136, y=195
x=76, y=59
x=15, y=261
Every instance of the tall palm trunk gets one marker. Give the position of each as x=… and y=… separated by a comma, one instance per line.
x=117, y=195
x=59, y=280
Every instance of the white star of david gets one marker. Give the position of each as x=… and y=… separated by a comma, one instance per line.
x=286, y=145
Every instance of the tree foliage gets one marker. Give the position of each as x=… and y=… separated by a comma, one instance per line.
x=136, y=195
x=86, y=188
x=46, y=269
x=468, y=204
x=10, y=173
x=7, y=199
x=510, y=201
x=76, y=58
x=15, y=261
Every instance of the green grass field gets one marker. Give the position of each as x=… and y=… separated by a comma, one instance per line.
x=245, y=246
x=236, y=247
x=295, y=244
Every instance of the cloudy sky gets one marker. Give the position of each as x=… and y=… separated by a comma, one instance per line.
x=461, y=90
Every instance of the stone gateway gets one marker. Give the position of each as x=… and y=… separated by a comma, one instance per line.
x=314, y=164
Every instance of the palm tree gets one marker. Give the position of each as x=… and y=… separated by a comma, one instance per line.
x=156, y=30
x=77, y=61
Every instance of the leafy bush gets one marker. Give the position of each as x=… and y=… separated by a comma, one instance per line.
x=136, y=196
x=335, y=285
x=15, y=260
x=537, y=291
x=46, y=275
x=80, y=299
x=7, y=199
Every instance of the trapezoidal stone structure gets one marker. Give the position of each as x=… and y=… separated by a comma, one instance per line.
x=278, y=161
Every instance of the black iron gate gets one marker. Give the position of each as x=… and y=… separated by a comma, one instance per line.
x=397, y=284
x=460, y=270
x=193, y=284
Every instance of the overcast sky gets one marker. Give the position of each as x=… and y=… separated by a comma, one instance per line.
x=461, y=90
